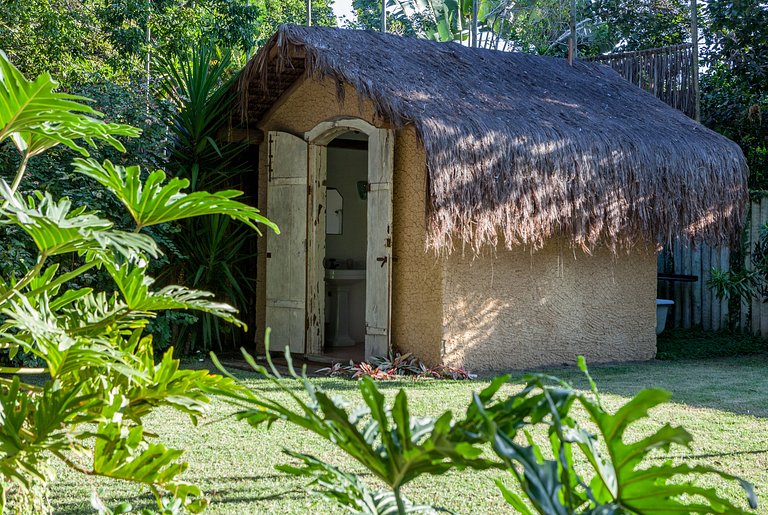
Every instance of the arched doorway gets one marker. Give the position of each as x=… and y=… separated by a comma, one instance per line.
x=300, y=169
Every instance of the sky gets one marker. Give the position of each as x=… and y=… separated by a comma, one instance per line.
x=342, y=9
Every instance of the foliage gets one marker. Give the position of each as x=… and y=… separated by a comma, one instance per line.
x=273, y=13
x=625, y=477
x=743, y=284
x=401, y=366
x=76, y=40
x=735, y=83
x=56, y=36
x=347, y=490
x=395, y=447
x=99, y=378
x=164, y=328
x=629, y=25
x=540, y=27
x=215, y=252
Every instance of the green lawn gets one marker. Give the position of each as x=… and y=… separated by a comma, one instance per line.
x=723, y=402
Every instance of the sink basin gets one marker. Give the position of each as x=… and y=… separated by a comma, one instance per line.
x=341, y=284
x=345, y=275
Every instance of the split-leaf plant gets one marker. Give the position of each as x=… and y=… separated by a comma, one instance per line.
x=623, y=474
x=397, y=447
x=99, y=379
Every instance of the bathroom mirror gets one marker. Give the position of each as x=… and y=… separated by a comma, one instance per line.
x=334, y=209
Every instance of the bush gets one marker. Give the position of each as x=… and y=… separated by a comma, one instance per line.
x=98, y=376
x=583, y=471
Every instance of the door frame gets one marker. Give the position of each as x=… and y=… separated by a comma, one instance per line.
x=379, y=156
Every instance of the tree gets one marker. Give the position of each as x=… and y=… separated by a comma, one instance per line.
x=273, y=13
x=539, y=27
x=735, y=83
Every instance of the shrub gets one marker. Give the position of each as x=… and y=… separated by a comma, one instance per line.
x=99, y=378
x=397, y=447
x=400, y=366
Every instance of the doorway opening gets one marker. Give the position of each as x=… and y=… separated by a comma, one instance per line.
x=346, y=243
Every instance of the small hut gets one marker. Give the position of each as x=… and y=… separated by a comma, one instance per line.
x=477, y=208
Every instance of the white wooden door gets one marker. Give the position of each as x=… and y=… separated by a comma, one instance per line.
x=287, y=252
x=378, y=290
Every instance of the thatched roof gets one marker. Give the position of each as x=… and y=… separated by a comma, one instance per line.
x=525, y=148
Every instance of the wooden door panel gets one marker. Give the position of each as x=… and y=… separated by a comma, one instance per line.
x=379, y=252
x=286, y=252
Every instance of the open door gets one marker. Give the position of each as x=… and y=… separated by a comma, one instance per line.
x=378, y=292
x=287, y=252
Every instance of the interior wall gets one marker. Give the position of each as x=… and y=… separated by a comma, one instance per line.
x=345, y=168
x=519, y=309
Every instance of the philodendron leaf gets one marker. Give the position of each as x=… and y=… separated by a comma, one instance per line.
x=157, y=201
x=37, y=118
x=134, y=284
x=622, y=479
x=636, y=485
x=122, y=452
x=347, y=489
x=58, y=228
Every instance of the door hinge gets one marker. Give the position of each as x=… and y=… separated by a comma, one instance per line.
x=389, y=242
x=270, y=157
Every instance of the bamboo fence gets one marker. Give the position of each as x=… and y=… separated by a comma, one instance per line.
x=696, y=305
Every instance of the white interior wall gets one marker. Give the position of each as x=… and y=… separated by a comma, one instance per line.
x=345, y=168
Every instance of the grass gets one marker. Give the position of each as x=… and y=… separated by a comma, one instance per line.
x=721, y=401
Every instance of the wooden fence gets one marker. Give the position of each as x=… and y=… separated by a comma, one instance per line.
x=696, y=305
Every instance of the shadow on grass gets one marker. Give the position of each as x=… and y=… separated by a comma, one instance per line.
x=718, y=371
x=147, y=502
x=709, y=455
x=678, y=344
x=735, y=384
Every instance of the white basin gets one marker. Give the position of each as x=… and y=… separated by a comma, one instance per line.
x=662, y=307
x=340, y=284
x=344, y=275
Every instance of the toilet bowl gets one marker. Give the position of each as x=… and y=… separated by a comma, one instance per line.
x=662, y=308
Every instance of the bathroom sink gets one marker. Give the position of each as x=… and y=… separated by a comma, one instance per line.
x=341, y=286
x=339, y=275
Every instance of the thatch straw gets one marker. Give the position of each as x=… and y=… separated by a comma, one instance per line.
x=528, y=148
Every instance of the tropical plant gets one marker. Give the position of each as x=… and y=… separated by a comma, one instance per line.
x=399, y=366
x=397, y=447
x=390, y=443
x=626, y=477
x=744, y=284
x=734, y=85
x=98, y=378
x=539, y=27
x=215, y=252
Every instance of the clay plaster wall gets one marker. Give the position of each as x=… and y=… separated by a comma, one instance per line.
x=512, y=310
x=417, y=296
x=522, y=310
